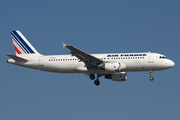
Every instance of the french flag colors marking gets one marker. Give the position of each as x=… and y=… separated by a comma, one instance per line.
x=20, y=46
x=17, y=50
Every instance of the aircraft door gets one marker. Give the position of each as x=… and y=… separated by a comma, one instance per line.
x=40, y=62
x=150, y=58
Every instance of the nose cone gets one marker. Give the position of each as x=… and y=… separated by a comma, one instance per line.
x=171, y=63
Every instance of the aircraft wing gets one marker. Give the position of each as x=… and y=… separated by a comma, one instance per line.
x=83, y=56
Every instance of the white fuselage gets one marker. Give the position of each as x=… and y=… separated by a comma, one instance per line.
x=112, y=66
x=70, y=64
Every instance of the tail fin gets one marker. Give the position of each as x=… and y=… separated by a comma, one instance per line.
x=21, y=44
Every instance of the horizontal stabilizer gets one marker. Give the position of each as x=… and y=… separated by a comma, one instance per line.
x=16, y=58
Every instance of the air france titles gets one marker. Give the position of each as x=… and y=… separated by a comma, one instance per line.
x=126, y=55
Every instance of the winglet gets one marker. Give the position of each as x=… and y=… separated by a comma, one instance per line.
x=64, y=45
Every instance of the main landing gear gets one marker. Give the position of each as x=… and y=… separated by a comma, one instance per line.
x=97, y=82
x=92, y=77
x=151, y=78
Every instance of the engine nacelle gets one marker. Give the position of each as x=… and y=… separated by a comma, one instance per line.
x=114, y=66
x=119, y=77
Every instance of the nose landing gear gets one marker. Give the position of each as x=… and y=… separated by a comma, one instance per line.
x=151, y=78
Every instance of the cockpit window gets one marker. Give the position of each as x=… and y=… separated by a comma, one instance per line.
x=162, y=57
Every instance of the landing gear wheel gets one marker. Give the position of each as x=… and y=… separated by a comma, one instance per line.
x=96, y=82
x=92, y=76
x=151, y=78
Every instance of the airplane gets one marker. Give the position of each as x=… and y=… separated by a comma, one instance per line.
x=112, y=66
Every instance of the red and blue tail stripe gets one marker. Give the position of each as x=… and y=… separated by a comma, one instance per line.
x=20, y=43
x=17, y=50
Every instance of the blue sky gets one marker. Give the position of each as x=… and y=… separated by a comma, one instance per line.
x=93, y=26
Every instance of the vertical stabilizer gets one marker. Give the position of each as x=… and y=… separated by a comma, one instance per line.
x=21, y=44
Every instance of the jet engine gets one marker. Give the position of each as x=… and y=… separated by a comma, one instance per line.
x=114, y=66
x=119, y=77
